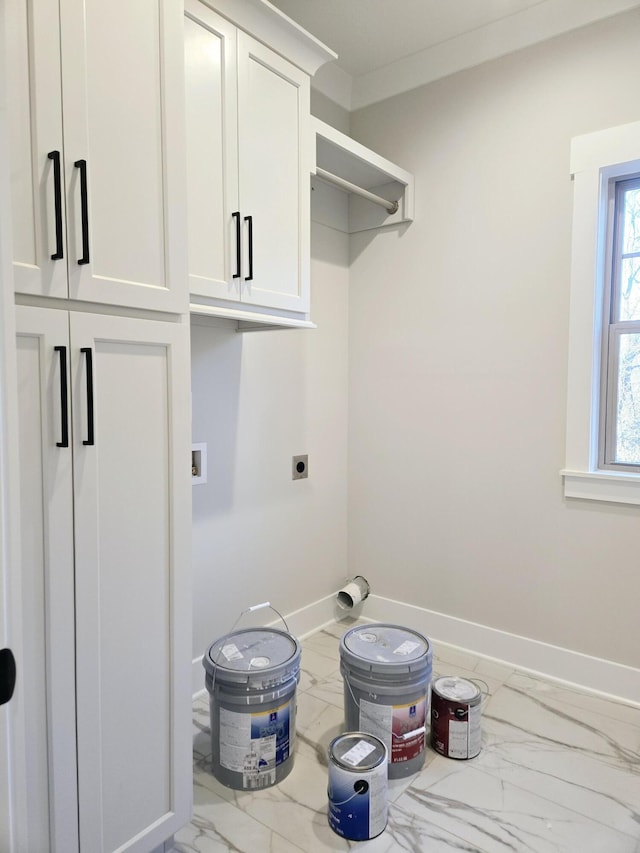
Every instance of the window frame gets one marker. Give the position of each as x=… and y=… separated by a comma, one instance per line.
x=613, y=328
x=597, y=159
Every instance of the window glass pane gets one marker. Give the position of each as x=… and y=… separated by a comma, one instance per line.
x=631, y=228
x=629, y=289
x=628, y=410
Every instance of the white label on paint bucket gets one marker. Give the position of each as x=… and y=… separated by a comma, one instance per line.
x=400, y=727
x=358, y=753
x=376, y=720
x=406, y=648
x=235, y=739
x=232, y=652
x=465, y=737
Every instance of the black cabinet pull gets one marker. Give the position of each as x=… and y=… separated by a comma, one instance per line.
x=90, y=437
x=84, y=205
x=64, y=413
x=57, y=188
x=236, y=216
x=7, y=675
x=249, y=220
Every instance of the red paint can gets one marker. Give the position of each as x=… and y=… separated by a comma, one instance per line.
x=455, y=717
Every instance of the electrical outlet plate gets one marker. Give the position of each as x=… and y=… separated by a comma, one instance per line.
x=198, y=464
x=300, y=467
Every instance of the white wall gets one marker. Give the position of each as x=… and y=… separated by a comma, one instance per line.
x=458, y=354
x=258, y=399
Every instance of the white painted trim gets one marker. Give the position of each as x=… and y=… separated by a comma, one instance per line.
x=596, y=674
x=595, y=159
x=273, y=28
x=622, y=488
x=603, y=676
x=535, y=24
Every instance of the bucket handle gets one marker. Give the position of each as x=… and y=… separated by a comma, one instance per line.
x=225, y=637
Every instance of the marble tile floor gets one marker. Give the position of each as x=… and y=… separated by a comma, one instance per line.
x=559, y=771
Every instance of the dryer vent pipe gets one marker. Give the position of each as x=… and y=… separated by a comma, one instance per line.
x=353, y=592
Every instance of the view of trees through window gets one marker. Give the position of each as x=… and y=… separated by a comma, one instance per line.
x=626, y=322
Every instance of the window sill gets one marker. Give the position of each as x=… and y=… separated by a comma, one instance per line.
x=623, y=488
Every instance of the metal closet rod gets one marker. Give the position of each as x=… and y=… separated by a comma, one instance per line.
x=390, y=206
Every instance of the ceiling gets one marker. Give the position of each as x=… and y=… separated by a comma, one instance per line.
x=388, y=46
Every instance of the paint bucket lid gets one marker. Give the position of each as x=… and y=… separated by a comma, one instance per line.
x=384, y=648
x=456, y=689
x=253, y=657
x=357, y=751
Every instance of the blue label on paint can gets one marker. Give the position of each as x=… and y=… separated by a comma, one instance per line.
x=349, y=811
x=357, y=794
x=273, y=727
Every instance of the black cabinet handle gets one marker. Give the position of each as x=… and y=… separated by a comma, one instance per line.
x=57, y=188
x=90, y=437
x=249, y=220
x=236, y=216
x=84, y=205
x=64, y=413
x=7, y=675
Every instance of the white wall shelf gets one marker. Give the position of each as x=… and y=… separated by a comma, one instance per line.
x=353, y=164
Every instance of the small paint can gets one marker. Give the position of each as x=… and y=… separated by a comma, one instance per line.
x=357, y=786
x=455, y=717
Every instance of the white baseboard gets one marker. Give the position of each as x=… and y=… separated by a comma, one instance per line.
x=602, y=676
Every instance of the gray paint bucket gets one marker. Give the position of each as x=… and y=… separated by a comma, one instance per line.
x=251, y=678
x=456, y=705
x=357, y=786
x=387, y=671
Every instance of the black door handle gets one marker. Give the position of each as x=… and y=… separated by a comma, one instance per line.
x=236, y=216
x=249, y=220
x=64, y=408
x=84, y=209
x=7, y=675
x=90, y=436
x=57, y=188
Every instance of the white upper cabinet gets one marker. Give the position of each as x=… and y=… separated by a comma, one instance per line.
x=274, y=169
x=248, y=164
x=97, y=150
x=212, y=152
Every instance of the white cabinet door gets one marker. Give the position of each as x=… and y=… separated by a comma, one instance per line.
x=248, y=167
x=110, y=74
x=106, y=560
x=273, y=136
x=34, y=99
x=133, y=613
x=47, y=575
x=212, y=160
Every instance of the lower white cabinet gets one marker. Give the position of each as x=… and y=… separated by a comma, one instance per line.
x=105, y=502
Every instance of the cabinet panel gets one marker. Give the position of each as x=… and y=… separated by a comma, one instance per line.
x=110, y=74
x=132, y=496
x=248, y=166
x=35, y=129
x=122, y=117
x=273, y=111
x=211, y=116
x=47, y=570
x=105, y=536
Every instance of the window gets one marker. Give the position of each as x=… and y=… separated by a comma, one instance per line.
x=620, y=403
x=603, y=401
